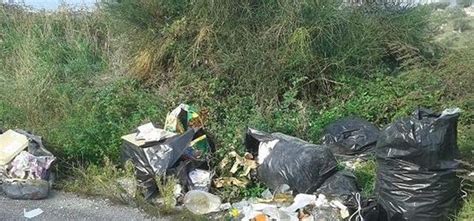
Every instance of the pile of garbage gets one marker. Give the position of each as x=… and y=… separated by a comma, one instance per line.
x=416, y=175
x=181, y=149
x=415, y=180
x=24, y=166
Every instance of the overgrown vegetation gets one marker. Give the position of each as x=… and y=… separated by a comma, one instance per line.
x=83, y=79
x=60, y=79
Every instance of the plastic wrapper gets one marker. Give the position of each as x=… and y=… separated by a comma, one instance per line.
x=416, y=177
x=300, y=165
x=351, y=136
x=27, y=166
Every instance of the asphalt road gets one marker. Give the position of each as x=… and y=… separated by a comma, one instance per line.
x=67, y=206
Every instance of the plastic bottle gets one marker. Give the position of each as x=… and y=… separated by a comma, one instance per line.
x=201, y=202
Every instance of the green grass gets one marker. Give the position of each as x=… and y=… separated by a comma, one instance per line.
x=365, y=175
x=467, y=211
x=82, y=80
x=60, y=79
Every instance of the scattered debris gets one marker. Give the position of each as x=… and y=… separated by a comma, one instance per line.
x=415, y=157
x=267, y=194
x=246, y=163
x=416, y=178
x=33, y=213
x=230, y=181
x=200, y=179
x=301, y=200
x=304, y=207
x=201, y=202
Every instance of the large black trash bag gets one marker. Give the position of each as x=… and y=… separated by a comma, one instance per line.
x=301, y=165
x=149, y=161
x=351, y=136
x=416, y=177
x=342, y=185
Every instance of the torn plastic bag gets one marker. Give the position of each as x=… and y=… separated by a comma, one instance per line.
x=163, y=155
x=351, y=136
x=27, y=166
x=151, y=159
x=288, y=160
x=143, y=171
x=183, y=171
x=416, y=177
x=343, y=186
x=28, y=189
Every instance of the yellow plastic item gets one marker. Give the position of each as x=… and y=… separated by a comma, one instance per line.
x=11, y=144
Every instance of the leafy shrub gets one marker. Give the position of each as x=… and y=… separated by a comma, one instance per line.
x=262, y=48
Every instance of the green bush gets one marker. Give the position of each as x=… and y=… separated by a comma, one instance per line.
x=56, y=80
x=93, y=128
x=263, y=48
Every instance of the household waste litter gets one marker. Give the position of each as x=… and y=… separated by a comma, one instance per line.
x=25, y=172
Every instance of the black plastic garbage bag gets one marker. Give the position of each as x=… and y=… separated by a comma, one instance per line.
x=351, y=136
x=143, y=171
x=163, y=155
x=29, y=189
x=343, y=186
x=288, y=160
x=155, y=158
x=372, y=211
x=416, y=177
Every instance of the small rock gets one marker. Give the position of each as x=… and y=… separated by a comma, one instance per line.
x=129, y=185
